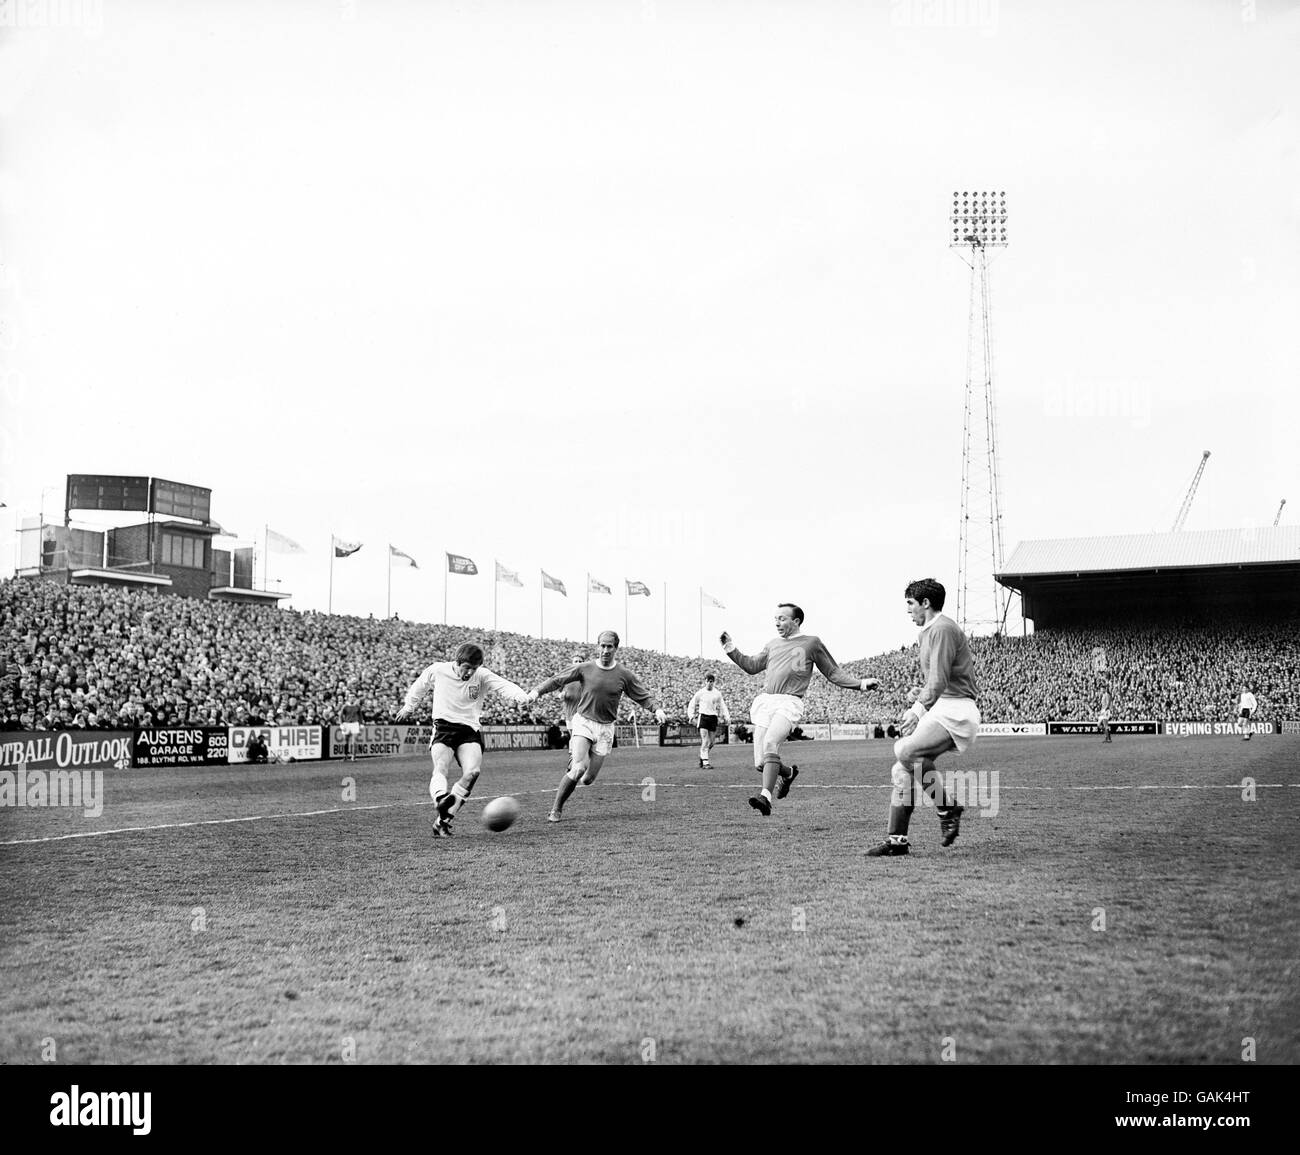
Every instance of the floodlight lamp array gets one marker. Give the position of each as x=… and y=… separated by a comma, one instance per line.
x=979, y=219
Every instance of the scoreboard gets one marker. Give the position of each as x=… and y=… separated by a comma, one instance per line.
x=174, y=499
x=103, y=491
x=153, y=495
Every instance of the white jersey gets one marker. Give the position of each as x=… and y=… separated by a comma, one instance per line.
x=708, y=702
x=457, y=701
x=1247, y=702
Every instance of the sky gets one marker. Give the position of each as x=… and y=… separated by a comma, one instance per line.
x=647, y=290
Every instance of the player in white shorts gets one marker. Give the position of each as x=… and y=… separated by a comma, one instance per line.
x=1103, y=715
x=789, y=660
x=604, y=682
x=1246, y=710
x=705, y=708
x=459, y=688
x=944, y=717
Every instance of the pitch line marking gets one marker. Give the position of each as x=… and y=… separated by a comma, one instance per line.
x=527, y=793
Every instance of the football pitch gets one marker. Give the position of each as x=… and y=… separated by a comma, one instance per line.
x=1127, y=903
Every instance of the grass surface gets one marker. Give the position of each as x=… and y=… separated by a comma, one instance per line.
x=687, y=923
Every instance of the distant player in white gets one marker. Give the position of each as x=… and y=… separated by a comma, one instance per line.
x=459, y=688
x=1246, y=710
x=706, y=707
x=945, y=717
x=1103, y=714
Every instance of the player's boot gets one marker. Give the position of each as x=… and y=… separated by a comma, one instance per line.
x=761, y=804
x=553, y=816
x=784, y=782
x=950, y=824
x=889, y=848
x=440, y=828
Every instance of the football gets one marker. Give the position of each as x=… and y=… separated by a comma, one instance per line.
x=500, y=813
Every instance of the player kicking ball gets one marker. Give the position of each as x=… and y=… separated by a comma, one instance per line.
x=603, y=683
x=945, y=717
x=789, y=660
x=459, y=688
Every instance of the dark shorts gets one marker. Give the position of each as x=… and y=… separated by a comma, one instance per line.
x=1245, y=713
x=454, y=734
x=708, y=722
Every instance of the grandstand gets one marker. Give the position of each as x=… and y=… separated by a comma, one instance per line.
x=103, y=656
x=1072, y=582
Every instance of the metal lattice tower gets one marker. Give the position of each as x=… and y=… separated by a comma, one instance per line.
x=1191, y=493
x=979, y=224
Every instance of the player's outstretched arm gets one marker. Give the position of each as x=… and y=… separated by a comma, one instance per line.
x=831, y=671
x=755, y=665
x=415, y=695
x=552, y=684
x=506, y=688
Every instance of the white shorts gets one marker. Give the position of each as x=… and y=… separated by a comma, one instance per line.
x=960, y=717
x=599, y=734
x=1104, y=716
x=353, y=728
x=767, y=707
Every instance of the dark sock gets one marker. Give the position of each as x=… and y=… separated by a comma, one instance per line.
x=899, y=819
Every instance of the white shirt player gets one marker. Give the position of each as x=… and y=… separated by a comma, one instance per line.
x=457, y=701
x=1247, y=702
x=708, y=702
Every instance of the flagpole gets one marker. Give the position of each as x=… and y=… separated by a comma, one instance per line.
x=496, y=581
x=445, y=568
x=541, y=605
x=389, y=613
x=627, y=633
x=586, y=629
x=665, y=617
x=701, y=621
x=266, y=555
x=329, y=605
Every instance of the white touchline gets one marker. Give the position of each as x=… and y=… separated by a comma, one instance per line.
x=633, y=785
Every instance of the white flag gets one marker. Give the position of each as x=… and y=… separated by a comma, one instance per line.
x=281, y=544
x=711, y=601
x=508, y=576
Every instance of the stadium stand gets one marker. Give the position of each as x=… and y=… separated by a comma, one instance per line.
x=88, y=656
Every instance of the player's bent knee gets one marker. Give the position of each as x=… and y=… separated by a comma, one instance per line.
x=900, y=776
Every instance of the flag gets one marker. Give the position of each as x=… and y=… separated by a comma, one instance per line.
x=282, y=544
x=711, y=601
x=394, y=552
x=458, y=564
x=344, y=548
x=550, y=583
x=508, y=576
x=635, y=589
x=595, y=587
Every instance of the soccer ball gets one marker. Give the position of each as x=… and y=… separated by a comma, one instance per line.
x=500, y=813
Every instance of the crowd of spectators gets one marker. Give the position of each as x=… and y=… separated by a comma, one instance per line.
x=101, y=656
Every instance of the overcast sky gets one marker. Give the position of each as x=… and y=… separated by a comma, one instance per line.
x=649, y=290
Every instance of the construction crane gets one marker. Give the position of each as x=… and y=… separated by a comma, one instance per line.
x=1191, y=493
x=1279, y=512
